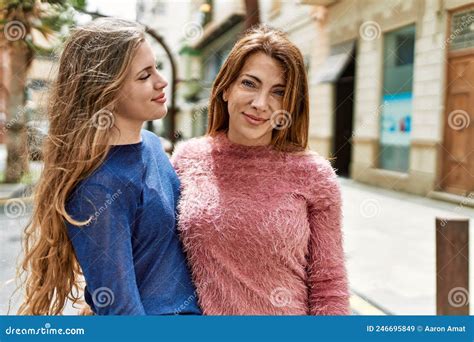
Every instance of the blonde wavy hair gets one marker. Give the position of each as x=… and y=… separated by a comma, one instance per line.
x=92, y=68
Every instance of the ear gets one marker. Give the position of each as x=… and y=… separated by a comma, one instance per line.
x=225, y=95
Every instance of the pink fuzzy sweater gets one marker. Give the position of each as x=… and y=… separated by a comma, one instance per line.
x=261, y=229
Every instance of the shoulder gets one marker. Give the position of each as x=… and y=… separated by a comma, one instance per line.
x=317, y=178
x=312, y=166
x=195, y=148
x=150, y=139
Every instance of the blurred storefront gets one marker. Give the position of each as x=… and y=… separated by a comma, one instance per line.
x=394, y=94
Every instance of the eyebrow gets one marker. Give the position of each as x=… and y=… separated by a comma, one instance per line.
x=259, y=81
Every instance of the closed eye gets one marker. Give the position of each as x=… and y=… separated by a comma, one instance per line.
x=157, y=66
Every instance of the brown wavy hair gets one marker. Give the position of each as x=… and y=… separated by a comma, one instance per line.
x=92, y=68
x=275, y=44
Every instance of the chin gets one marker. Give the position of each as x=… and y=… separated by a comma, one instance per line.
x=253, y=135
x=159, y=114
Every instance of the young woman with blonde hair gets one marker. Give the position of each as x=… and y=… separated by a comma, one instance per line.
x=105, y=203
x=260, y=215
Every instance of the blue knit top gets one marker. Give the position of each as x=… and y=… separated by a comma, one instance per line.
x=130, y=252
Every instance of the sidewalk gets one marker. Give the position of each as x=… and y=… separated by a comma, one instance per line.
x=389, y=241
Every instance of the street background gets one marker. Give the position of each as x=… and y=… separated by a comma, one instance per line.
x=392, y=104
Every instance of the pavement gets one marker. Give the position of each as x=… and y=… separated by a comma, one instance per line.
x=389, y=241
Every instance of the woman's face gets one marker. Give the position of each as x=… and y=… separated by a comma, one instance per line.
x=142, y=96
x=252, y=98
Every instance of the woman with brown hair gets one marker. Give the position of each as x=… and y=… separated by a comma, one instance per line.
x=106, y=201
x=260, y=215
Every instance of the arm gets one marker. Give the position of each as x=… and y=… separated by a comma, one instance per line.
x=104, y=247
x=328, y=288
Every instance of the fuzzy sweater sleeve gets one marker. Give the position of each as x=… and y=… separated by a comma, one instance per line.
x=327, y=278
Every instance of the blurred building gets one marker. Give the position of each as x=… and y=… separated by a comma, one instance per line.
x=393, y=87
x=40, y=75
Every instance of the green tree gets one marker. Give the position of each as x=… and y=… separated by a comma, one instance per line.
x=18, y=21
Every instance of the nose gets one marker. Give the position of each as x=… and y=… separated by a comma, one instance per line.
x=160, y=82
x=260, y=101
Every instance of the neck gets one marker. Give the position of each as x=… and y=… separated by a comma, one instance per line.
x=240, y=140
x=126, y=132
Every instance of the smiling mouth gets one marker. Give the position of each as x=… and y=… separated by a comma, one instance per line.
x=159, y=97
x=254, y=118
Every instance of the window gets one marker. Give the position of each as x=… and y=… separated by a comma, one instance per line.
x=397, y=103
x=462, y=30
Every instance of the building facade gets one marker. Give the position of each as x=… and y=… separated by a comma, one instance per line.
x=391, y=89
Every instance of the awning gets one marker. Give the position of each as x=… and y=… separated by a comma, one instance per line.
x=334, y=66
